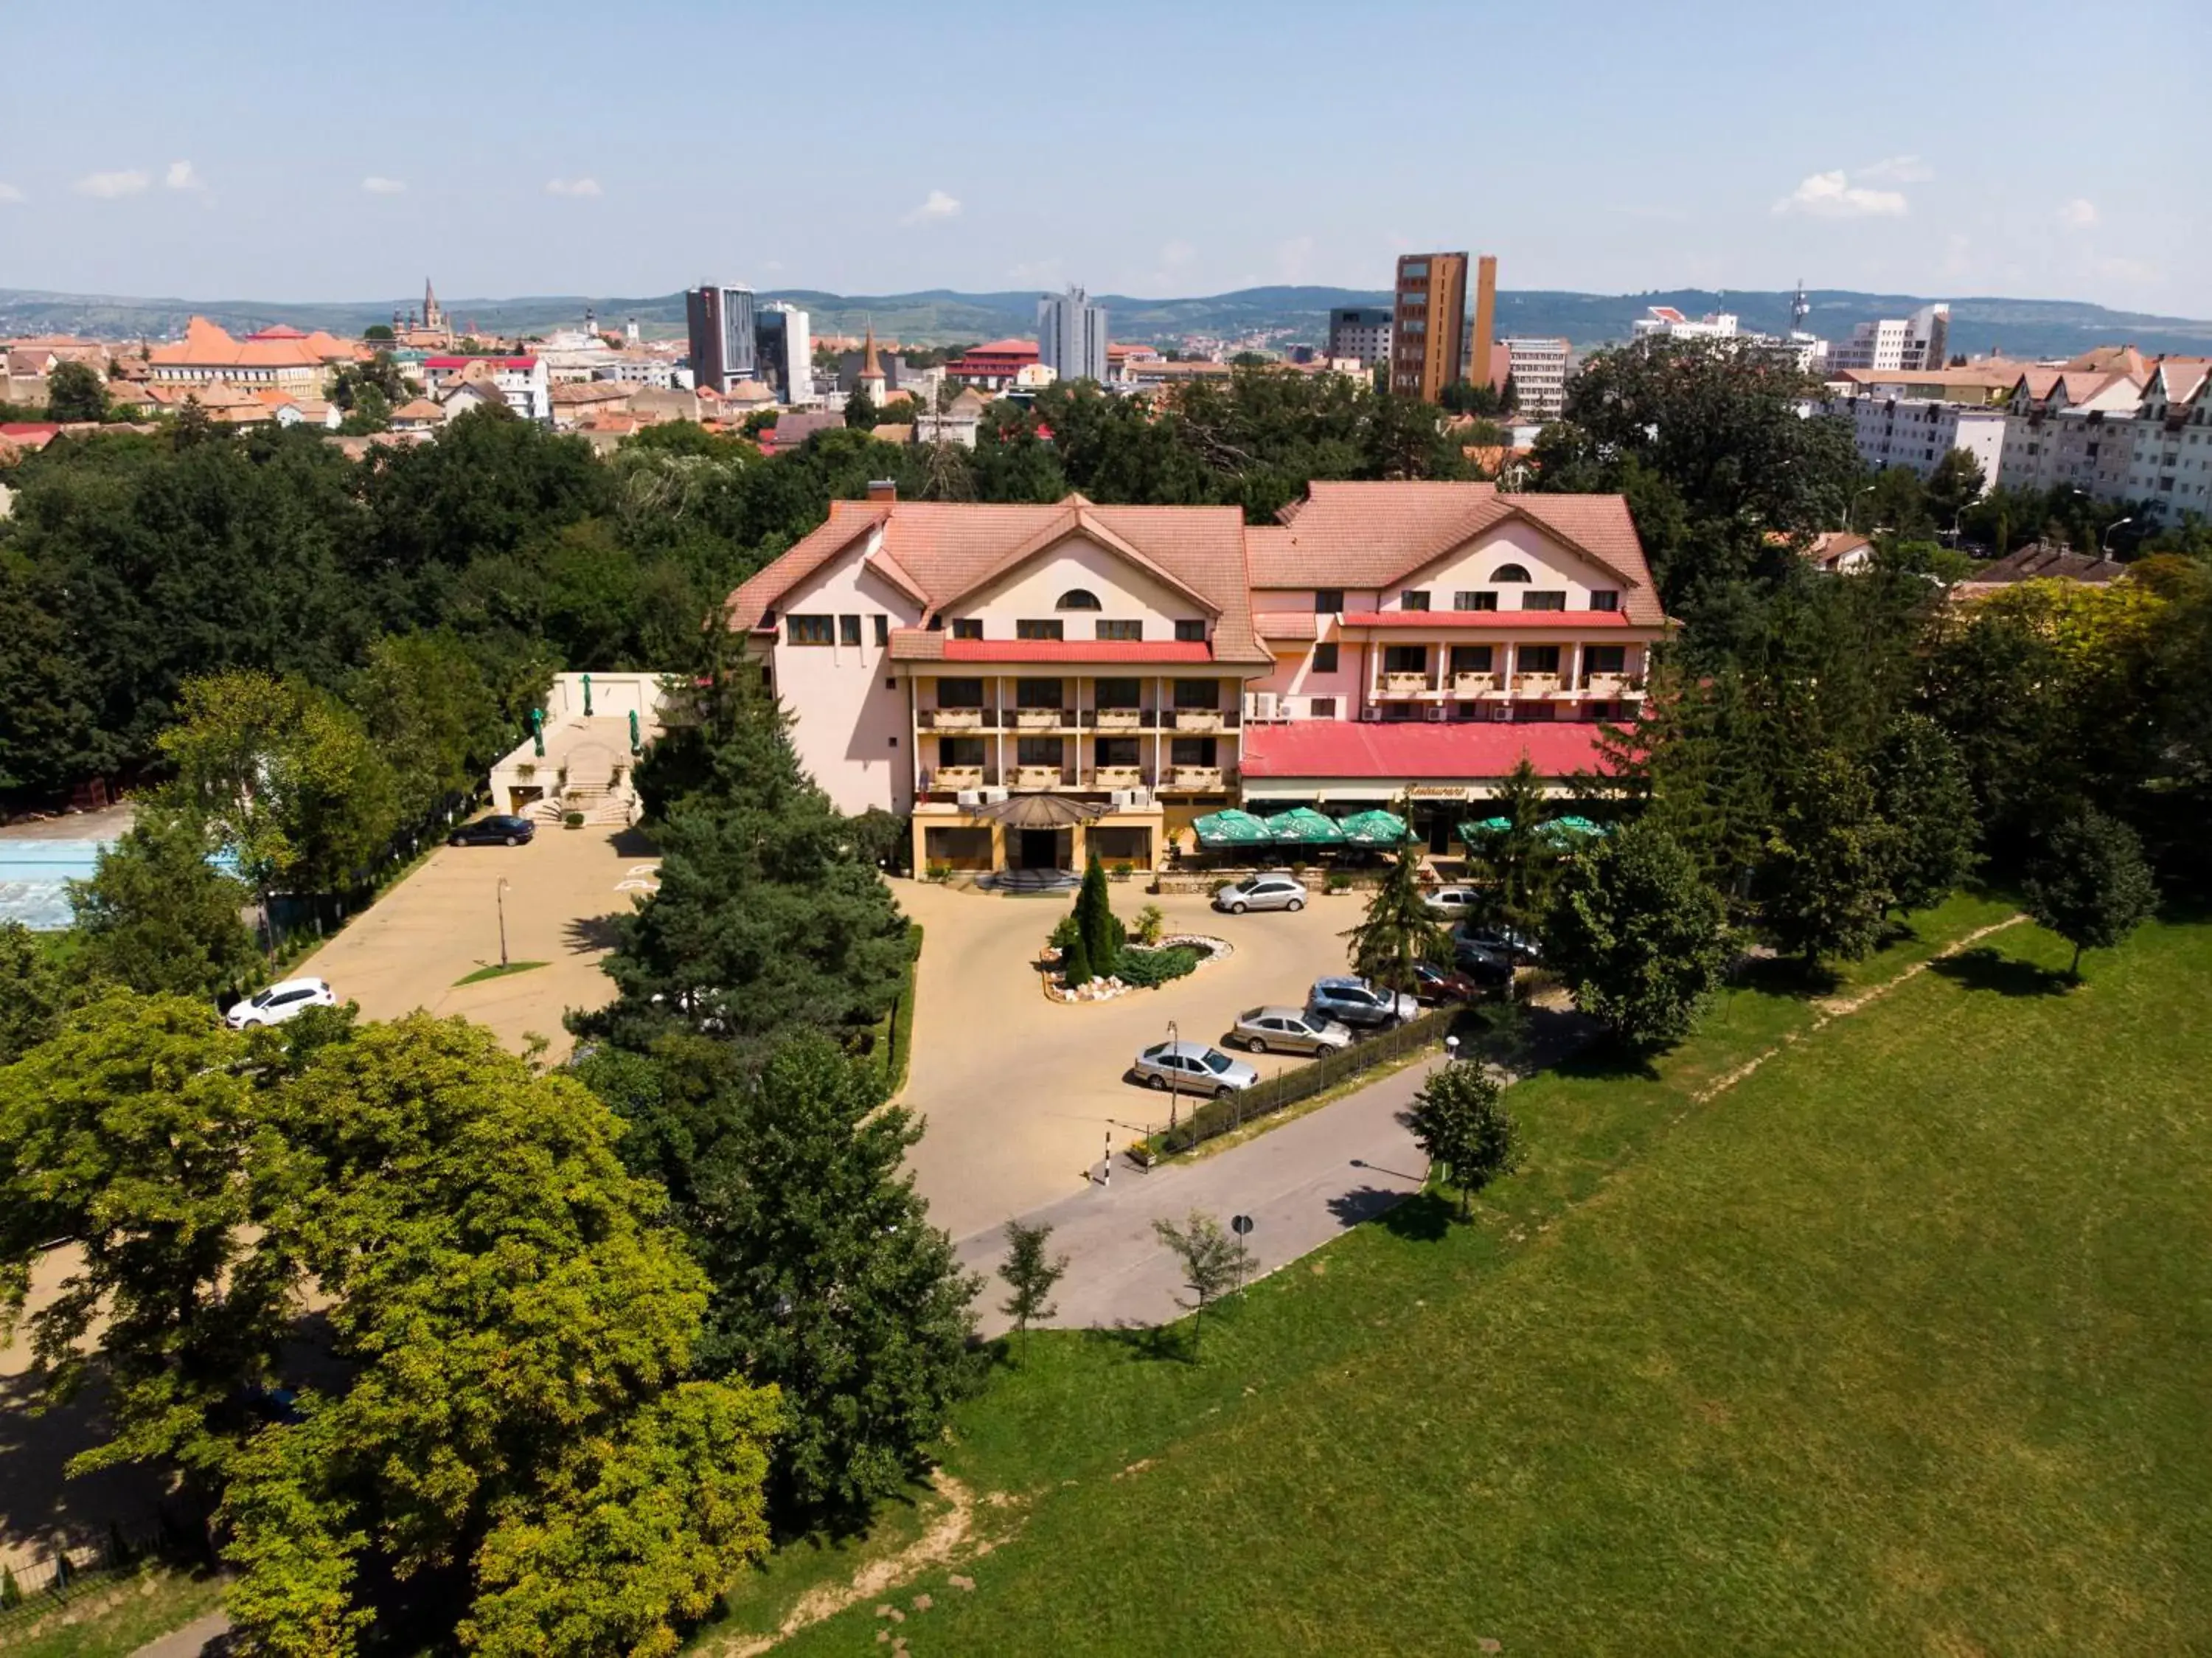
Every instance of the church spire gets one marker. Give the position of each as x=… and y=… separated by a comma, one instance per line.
x=870, y=367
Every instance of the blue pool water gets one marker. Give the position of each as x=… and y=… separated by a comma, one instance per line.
x=34, y=876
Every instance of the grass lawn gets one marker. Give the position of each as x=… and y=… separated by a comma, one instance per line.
x=507, y=971
x=1896, y=1345
x=112, y=1620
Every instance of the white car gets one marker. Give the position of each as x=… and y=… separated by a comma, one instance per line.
x=1260, y=892
x=282, y=1001
x=1453, y=902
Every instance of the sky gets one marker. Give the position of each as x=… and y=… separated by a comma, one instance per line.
x=333, y=150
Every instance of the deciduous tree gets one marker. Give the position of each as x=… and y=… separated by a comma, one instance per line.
x=1920, y=791
x=1824, y=883
x=159, y=918
x=1398, y=931
x=1460, y=1120
x=75, y=391
x=1212, y=1262
x=1638, y=936
x=1030, y=1274
x=2089, y=883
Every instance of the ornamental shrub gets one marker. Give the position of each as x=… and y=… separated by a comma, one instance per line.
x=1150, y=969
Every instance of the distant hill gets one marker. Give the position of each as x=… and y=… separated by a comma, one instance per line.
x=2021, y=327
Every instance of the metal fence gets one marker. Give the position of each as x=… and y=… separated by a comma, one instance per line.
x=32, y=1588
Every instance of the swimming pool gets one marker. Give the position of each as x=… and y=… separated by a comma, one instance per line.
x=34, y=877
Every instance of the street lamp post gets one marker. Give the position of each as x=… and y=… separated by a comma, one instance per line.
x=1852, y=505
x=2105, y=541
x=500, y=897
x=1175, y=1077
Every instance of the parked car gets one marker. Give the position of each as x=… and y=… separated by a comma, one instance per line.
x=1488, y=968
x=1433, y=984
x=285, y=999
x=1357, y=1002
x=1287, y=1030
x=497, y=830
x=1260, y=892
x=1453, y=902
x=1503, y=941
x=1193, y=1068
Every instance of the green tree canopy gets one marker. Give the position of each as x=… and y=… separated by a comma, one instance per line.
x=1459, y=1119
x=2089, y=883
x=1638, y=936
x=159, y=918
x=1824, y=885
x=1398, y=932
x=1921, y=790
x=75, y=391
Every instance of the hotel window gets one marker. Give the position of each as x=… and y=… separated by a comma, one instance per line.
x=1475, y=601
x=1121, y=630
x=1039, y=630
x=1510, y=573
x=968, y=627
x=1045, y=694
x=1197, y=694
x=1324, y=660
x=1328, y=601
x=1470, y=659
x=1114, y=693
x=1191, y=633
x=1537, y=659
x=882, y=630
x=1191, y=751
x=1605, y=659
x=960, y=694
x=1604, y=598
x=1543, y=601
x=1535, y=712
x=960, y=750
x=807, y=630
x=1410, y=599
x=1078, y=599
x=1115, y=751
x=849, y=629
x=1036, y=750
x=1404, y=658
x=1322, y=708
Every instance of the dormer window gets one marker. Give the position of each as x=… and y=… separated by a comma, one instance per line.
x=1510, y=573
x=1191, y=632
x=1411, y=599
x=1604, y=598
x=1079, y=599
x=967, y=627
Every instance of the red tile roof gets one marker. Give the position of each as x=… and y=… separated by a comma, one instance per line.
x=1502, y=620
x=1077, y=650
x=463, y=361
x=1410, y=749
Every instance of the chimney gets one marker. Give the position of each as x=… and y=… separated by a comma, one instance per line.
x=882, y=489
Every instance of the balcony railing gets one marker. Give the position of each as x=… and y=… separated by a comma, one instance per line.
x=954, y=719
x=1119, y=719
x=1405, y=685
x=1536, y=685
x=1197, y=777
x=1473, y=685
x=1042, y=776
x=1042, y=719
x=1117, y=776
x=956, y=776
x=1198, y=719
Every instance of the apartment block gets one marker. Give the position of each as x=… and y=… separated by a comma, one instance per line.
x=1539, y=368
x=1360, y=333
x=1428, y=324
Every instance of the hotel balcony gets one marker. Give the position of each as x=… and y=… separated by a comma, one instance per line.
x=1204, y=777
x=1120, y=719
x=953, y=719
x=1042, y=776
x=1536, y=685
x=1605, y=686
x=955, y=777
x=943, y=782
x=1117, y=776
x=1042, y=719
x=1202, y=719
x=1405, y=685
x=1473, y=685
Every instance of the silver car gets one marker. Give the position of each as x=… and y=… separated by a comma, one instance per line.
x=1260, y=892
x=1193, y=1068
x=1289, y=1030
x=1358, y=1001
x=1453, y=902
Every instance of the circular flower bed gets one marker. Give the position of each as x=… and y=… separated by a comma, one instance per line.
x=1144, y=966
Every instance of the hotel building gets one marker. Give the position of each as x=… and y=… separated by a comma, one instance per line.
x=1381, y=641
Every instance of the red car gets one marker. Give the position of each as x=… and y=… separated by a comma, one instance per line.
x=1438, y=985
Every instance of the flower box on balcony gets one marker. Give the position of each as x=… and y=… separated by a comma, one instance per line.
x=1197, y=719
x=1536, y=685
x=1198, y=777
x=1037, y=777
x=1405, y=684
x=1474, y=684
x=954, y=719
x=1038, y=719
x=1120, y=719
x=1605, y=684
x=1118, y=777
x=957, y=776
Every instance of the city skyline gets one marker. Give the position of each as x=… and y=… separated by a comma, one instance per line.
x=1639, y=162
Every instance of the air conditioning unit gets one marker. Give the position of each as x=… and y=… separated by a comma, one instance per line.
x=1370, y=716
x=971, y=798
x=1263, y=705
x=995, y=797
x=1436, y=711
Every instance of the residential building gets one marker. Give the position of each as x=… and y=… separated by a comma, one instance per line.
x=720, y=319
x=2073, y=428
x=1428, y=324
x=1919, y=341
x=1362, y=331
x=2170, y=460
x=520, y=382
x=785, y=352
x=1480, y=371
x=993, y=364
x=1380, y=641
x=1914, y=418
x=1071, y=336
x=1665, y=322
x=281, y=358
x=1539, y=368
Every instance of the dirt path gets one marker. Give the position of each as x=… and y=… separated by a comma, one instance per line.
x=1843, y=1007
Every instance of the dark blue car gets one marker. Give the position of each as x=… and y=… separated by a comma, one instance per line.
x=497, y=830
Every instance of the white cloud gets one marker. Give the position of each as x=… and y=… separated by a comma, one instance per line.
x=108, y=185
x=180, y=176
x=1294, y=259
x=9, y=194
x=1833, y=196
x=377, y=186
x=2079, y=214
x=937, y=207
x=1898, y=169
x=573, y=187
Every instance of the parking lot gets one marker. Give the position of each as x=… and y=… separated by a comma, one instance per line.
x=1019, y=1091
x=411, y=948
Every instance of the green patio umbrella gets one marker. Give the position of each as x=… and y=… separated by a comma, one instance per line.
x=1473, y=831
x=1571, y=828
x=1303, y=826
x=1231, y=828
x=1376, y=828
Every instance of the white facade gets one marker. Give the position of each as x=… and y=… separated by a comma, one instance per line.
x=1071, y=336
x=1360, y=332
x=793, y=347
x=1919, y=432
x=1913, y=342
x=2170, y=458
x=521, y=380
x=1540, y=374
x=1665, y=322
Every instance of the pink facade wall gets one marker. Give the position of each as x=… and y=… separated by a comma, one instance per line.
x=852, y=728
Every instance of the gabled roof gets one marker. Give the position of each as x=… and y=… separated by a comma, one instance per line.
x=948, y=550
x=1369, y=535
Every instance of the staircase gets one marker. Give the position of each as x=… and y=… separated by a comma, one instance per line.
x=589, y=790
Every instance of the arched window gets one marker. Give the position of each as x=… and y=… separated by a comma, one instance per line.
x=1084, y=599
x=1510, y=573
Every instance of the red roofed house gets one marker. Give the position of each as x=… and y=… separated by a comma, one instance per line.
x=280, y=359
x=521, y=382
x=994, y=366
x=1161, y=662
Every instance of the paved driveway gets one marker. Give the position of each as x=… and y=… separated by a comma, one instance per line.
x=1018, y=1091
x=410, y=947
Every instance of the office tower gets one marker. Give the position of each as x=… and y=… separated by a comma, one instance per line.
x=1428, y=324
x=1361, y=333
x=785, y=350
x=723, y=349
x=1485, y=317
x=1071, y=336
